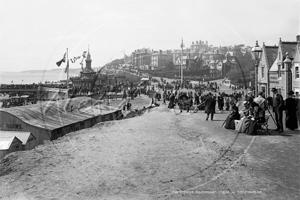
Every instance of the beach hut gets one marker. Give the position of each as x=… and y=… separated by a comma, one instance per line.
x=49, y=120
x=27, y=138
x=8, y=145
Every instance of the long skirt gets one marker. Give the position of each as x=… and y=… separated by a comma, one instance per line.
x=291, y=121
x=171, y=104
x=241, y=126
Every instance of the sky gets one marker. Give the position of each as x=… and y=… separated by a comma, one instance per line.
x=34, y=34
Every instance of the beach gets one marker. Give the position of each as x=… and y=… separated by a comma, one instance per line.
x=159, y=155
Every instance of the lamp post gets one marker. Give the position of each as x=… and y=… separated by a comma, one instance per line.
x=257, y=54
x=287, y=65
x=181, y=73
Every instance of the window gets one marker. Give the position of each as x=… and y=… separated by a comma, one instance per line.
x=297, y=72
x=263, y=72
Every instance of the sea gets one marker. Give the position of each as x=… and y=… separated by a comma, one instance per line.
x=34, y=76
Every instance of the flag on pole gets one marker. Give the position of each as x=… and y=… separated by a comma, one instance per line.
x=75, y=58
x=61, y=61
x=83, y=54
x=67, y=67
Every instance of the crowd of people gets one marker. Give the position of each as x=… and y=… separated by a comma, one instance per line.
x=13, y=102
x=253, y=113
x=247, y=120
x=33, y=86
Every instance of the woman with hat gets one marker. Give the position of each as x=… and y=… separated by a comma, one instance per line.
x=245, y=114
x=290, y=112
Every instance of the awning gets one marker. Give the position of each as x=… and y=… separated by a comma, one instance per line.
x=145, y=79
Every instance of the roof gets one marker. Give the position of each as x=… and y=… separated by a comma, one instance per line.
x=274, y=66
x=22, y=136
x=289, y=47
x=51, y=115
x=5, y=142
x=88, y=70
x=271, y=53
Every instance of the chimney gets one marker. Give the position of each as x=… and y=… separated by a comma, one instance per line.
x=298, y=38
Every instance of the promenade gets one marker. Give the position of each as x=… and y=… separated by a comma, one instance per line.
x=162, y=154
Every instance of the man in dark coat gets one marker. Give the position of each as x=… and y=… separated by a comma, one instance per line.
x=197, y=100
x=220, y=102
x=278, y=106
x=210, y=106
x=290, y=112
x=172, y=101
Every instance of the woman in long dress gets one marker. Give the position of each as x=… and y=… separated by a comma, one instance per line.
x=290, y=112
x=246, y=114
x=234, y=115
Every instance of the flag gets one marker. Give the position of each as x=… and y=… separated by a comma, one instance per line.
x=83, y=54
x=61, y=61
x=67, y=67
x=74, y=59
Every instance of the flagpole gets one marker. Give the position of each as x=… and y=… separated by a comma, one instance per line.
x=181, y=63
x=67, y=69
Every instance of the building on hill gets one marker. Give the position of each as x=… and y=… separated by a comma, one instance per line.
x=160, y=59
x=141, y=57
x=198, y=47
x=127, y=59
x=284, y=73
x=177, y=63
x=193, y=62
x=214, y=62
x=268, y=57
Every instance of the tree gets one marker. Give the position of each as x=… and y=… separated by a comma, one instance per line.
x=169, y=65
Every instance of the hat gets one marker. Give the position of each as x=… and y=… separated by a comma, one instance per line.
x=274, y=89
x=290, y=93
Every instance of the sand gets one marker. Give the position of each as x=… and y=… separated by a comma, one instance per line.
x=159, y=155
